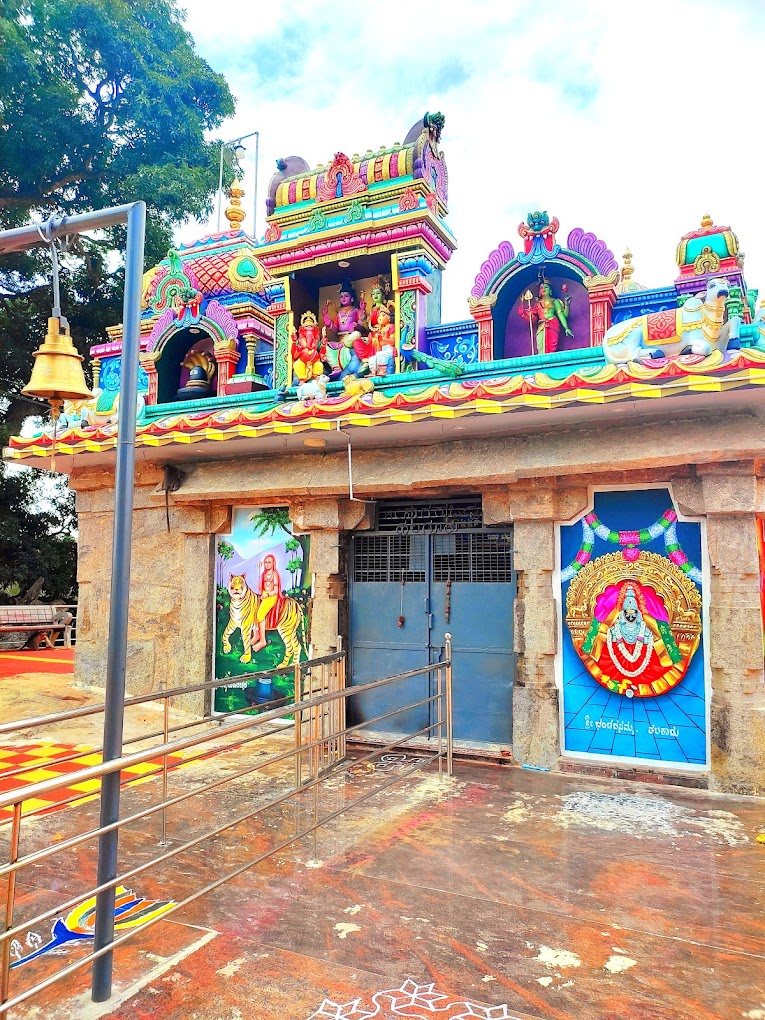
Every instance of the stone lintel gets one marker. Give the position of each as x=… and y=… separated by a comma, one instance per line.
x=720, y=489
x=331, y=515
x=509, y=504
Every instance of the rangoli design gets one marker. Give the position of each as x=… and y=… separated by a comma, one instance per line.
x=413, y=1001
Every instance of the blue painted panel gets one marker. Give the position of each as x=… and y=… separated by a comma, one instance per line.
x=669, y=727
x=454, y=342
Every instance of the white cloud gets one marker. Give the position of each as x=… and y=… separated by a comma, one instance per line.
x=630, y=120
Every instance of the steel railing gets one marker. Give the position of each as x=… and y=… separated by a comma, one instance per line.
x=317, y=750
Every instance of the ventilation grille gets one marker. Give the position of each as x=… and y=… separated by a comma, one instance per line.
x=473, y=557
x=477, y=558
x=390, y=558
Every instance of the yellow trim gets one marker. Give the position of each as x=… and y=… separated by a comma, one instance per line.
x=351, y=415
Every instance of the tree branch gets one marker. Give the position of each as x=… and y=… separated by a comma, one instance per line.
x=20, y=201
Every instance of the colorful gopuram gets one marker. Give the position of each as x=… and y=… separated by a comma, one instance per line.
x=569, y=481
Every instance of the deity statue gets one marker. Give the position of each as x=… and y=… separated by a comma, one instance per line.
x=201, y=368
x=633, y=644
x=549, y=314
x=347, y=348
x=383, y=340
x=307, y=350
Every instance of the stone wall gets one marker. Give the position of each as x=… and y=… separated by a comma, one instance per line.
x=170, y=613
x=531, y=483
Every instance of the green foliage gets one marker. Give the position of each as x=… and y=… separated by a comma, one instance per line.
x=101, y=102
x=36, y=540
x=225, y=550
x=270, y=519
x=291, y=544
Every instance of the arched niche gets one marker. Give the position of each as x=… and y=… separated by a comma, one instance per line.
x=170, y=375
x=512, y=336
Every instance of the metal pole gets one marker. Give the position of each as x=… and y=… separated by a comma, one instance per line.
x=220, y=184
x=255, y=190
x=118, y=602
x=21, y=239
x=449, y=707
x=296, y=697
x=440, y=710
x=166, y=738
x=10, y=894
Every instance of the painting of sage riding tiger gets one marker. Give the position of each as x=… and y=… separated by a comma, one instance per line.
x=261, y=623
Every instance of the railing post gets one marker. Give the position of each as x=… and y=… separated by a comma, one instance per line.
x=441, y=716
x=166, y=739
x=10, y=896
x=298, y=727
x=449, y=707
x=342, y=749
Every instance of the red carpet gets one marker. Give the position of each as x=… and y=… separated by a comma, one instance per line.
x=48, y=660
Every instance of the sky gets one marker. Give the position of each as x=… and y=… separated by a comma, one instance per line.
x=629, y=119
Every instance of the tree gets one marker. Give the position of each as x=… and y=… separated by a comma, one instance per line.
x=101, y=102
x=269, y=519
x=225, y=553
x=37, y=548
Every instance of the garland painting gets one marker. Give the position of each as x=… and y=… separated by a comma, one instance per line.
x=634, y=683
x=262, y=585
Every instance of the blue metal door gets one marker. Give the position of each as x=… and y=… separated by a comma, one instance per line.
x=389, y=628
x=407, y=590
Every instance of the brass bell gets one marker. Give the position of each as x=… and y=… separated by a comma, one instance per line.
x=57, y=374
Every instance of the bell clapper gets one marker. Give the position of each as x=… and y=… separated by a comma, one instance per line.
x=55, y=412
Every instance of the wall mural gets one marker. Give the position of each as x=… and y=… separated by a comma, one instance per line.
x=262, y=586
x=633, y=675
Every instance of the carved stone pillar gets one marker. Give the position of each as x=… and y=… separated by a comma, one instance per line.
x=732, y=498
x=602, y=293
x=148, y=362
x=226, y=353
x=410, y=315
x=325, y=520
x=480, y=309
x=533, y=511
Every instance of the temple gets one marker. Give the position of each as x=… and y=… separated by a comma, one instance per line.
x=569, y=481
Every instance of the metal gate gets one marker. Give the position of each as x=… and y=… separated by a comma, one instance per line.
x=428, y=569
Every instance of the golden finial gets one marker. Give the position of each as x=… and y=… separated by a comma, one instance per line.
x=627, y=269
x=234, y=212
x=706, y=220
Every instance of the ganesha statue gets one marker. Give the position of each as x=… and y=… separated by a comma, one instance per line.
x=307, y=346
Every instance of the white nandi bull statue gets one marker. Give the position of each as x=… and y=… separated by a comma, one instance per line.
x=696, y=328
x=100, y=409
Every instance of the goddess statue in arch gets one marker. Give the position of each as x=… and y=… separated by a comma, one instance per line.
x=547, y=316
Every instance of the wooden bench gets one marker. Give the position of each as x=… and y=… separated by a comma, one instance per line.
x=44, y=622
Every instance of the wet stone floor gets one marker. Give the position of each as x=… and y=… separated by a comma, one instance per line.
x=499, y=893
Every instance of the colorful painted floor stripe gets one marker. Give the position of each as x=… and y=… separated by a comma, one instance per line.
x=50, y=660
x=44, y=755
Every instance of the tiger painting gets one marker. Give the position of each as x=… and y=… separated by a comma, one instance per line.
x=243, y=616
